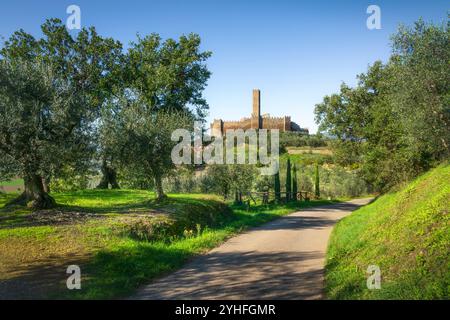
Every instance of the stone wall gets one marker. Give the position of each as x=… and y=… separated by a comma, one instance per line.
x=280, y=123
x=256, y=121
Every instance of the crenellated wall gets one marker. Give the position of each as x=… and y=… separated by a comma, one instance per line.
x=280, y=123
x=256, y=121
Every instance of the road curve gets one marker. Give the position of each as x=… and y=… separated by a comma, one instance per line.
x=283, y=259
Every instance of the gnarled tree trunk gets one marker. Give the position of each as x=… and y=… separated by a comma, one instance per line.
x=159, y=189
x=109, y=177
x=46, y=184
x=34, y=195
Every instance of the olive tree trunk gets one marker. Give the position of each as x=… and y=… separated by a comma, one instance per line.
x=159, y=189
x=109, y=177
x=34, y=195
x=46, y=184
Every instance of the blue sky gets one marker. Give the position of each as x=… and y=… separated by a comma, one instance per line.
x=294, y=51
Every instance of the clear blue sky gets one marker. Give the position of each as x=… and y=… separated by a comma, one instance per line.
x=294, y=51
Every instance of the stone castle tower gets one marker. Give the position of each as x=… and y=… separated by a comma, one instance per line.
x=256, y=121
x=256, y=114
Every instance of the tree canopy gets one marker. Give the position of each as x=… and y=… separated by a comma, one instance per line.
x=68, y=102
x=51, y=90
x=395, y=123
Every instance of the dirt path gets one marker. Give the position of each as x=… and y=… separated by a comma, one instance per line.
x=283, y=259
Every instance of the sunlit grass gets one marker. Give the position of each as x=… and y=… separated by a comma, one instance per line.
x=13, y=182
x=406, y=233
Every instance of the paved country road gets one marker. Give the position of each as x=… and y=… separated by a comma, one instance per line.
x=283, y=259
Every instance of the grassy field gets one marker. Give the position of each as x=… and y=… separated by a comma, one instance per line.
x=121, y=239
x=406, y=233
x=14, y=185
x=14, y=182
x=305, y=159
x=309, y=150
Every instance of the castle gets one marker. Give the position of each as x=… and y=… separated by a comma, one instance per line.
x=257, y=121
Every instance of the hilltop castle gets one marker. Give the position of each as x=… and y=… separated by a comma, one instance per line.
x=257, y=121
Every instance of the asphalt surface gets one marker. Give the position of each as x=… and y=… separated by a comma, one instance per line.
x=283, y=259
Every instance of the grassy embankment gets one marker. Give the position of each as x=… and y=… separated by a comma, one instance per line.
x=406, y=233
x=120, y=239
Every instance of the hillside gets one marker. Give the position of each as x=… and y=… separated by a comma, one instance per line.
x=406, y=233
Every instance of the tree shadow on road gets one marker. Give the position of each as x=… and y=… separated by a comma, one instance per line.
x=241, y=275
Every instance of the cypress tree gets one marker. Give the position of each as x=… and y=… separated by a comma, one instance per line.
x=277, y=187
x=317, y=182
x=288, y=180
x=294, y=183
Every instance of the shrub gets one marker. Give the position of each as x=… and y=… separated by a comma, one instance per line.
x=150, y=228
x=70, y=183
x=187, y=222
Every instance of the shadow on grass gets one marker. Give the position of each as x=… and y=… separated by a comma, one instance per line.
x=116, y=273
x=98, y=203
x=132, y=202
x=39, y=280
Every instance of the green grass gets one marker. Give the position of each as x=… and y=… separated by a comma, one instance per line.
x=35, y=233
x=12, y=183
x=406, y=233
x=5, y=197
x=113, y=263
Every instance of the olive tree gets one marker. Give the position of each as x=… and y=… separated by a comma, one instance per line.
x=38, y=115
x=51, y=91
x=163, y=83
x=143, y=140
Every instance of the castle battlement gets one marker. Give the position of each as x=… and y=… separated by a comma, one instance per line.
x=256, y=121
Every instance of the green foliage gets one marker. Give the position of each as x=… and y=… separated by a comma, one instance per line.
x=294, y=182
x=395, y=123
x=277, y=187
x=316, y=182
x=51, y=90
x=143, y=140
x=264, y=183
x=185, y=180
x=162, y=81
x=182, y=65
x=405, y=233
x=307, y=159
x=295, y=139
x=65, y=100
x=288, y=179
x=227, y=179
x=151, y=229
x=336, y=181
x=4, y=198
x=70, y=179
